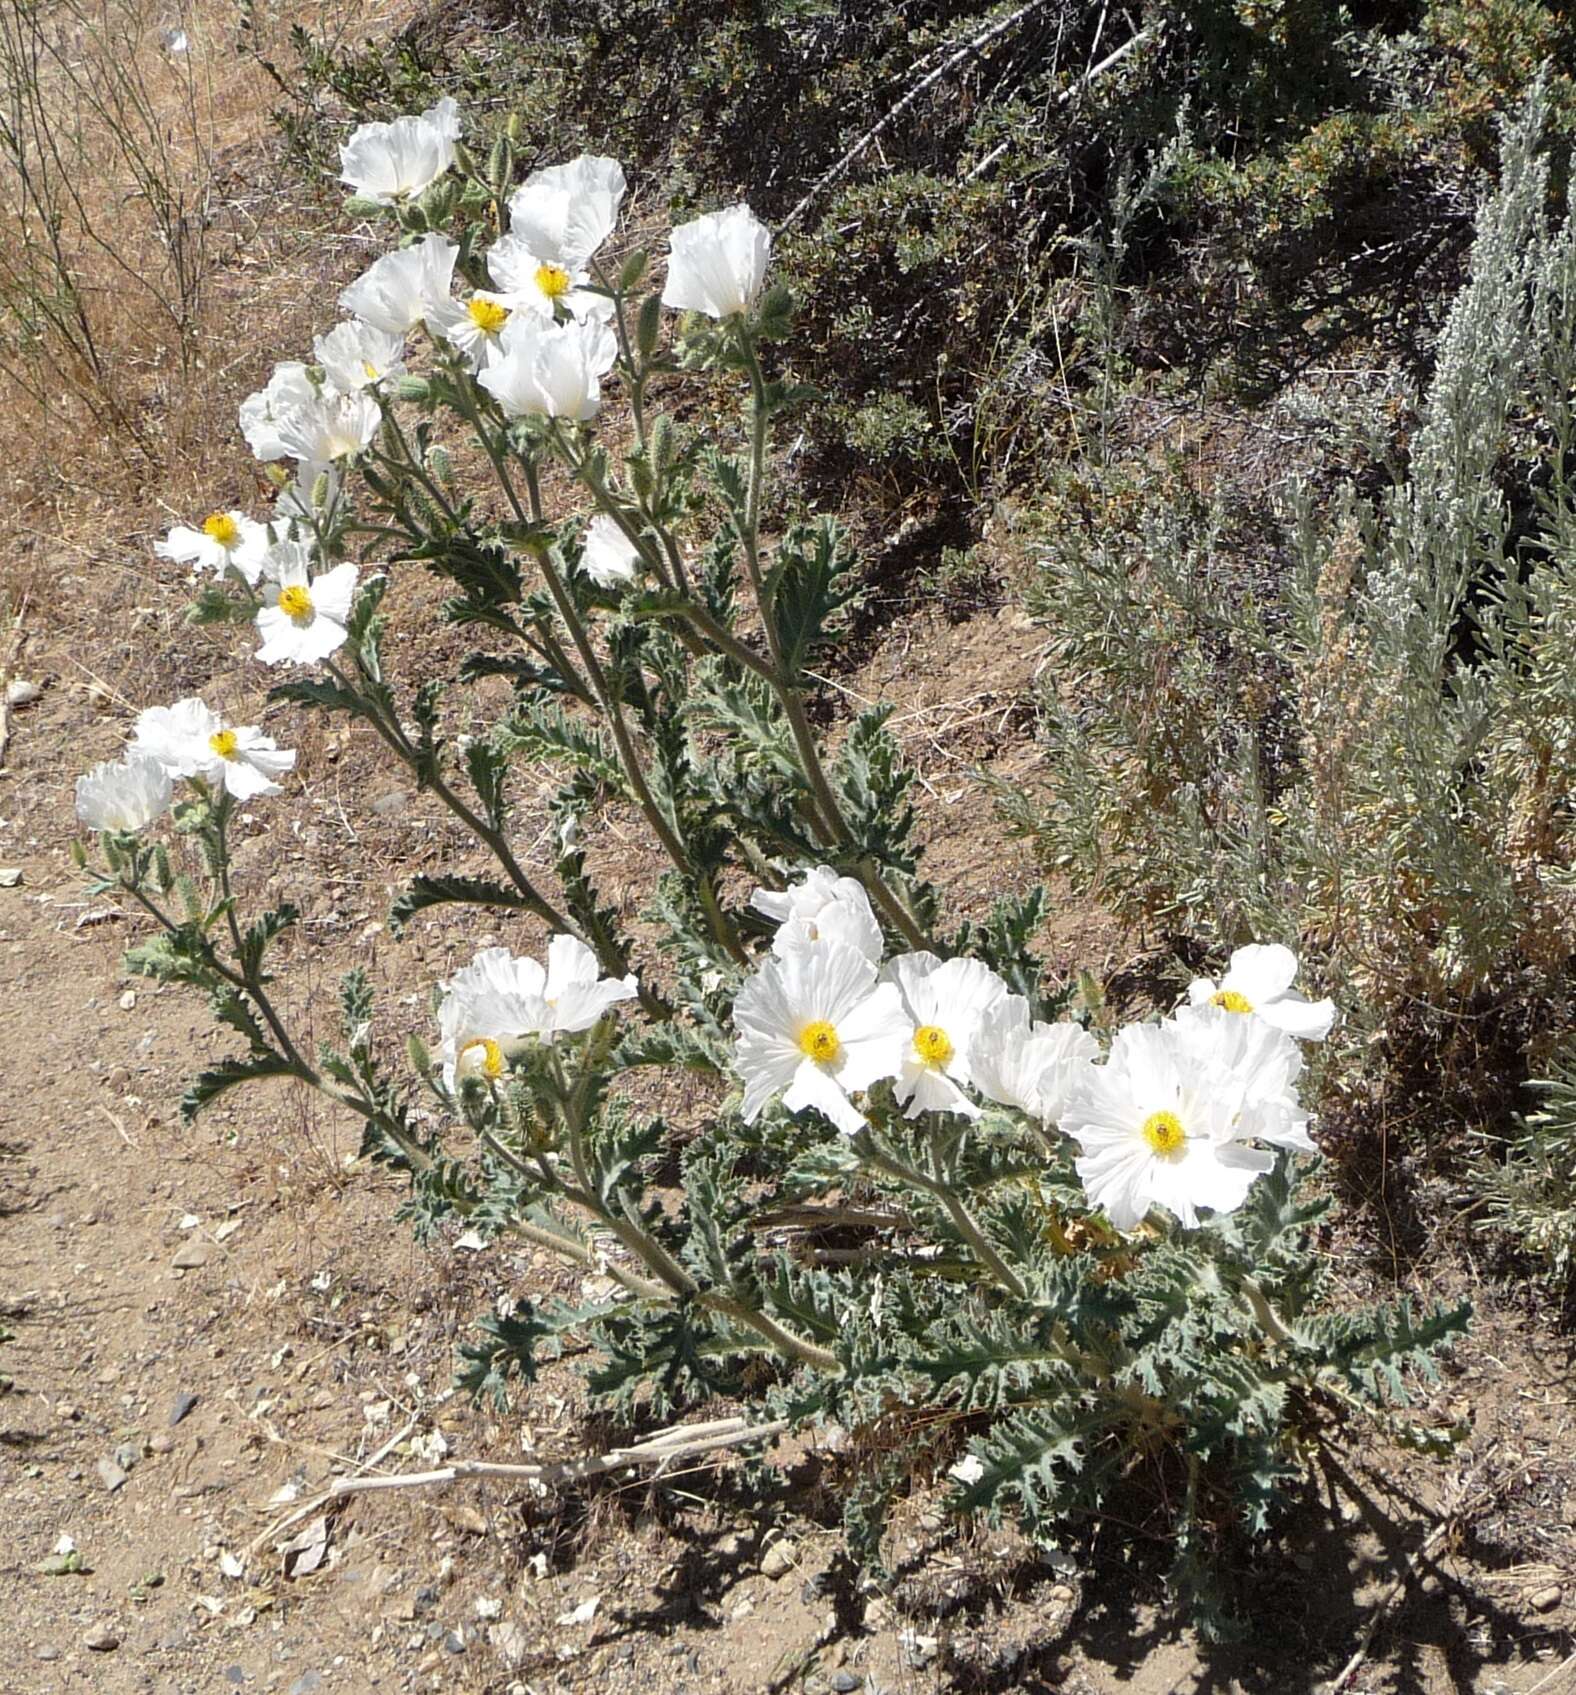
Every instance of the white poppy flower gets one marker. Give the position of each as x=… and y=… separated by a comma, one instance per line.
x=607, y=556
x=355, y=354
x=308, y=617
x=190, y=740
x=396, y=292
x=529, y=283
x=123, y=794
x=813, y=1028
x=475, y=326
x=822, y=907
x=498, y=1003
x=1158, y=1129
x=1260, y=1060
x=222, y=540
x=333, y=426
x=290, y=386
x=718, y=263
x=1258, y=980
x=389, y=162
x=563, y=214
x=945, y=1001
x=551, y=370
x=1029, y=1065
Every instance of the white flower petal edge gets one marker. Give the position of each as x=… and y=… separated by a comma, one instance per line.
x=123, y=794
x=354, y=355
x=607, y=556
x=945, y=1001
x=551, y=370
x=223, y=540
x=308, y=618
x=1262, y=1062
x=1026, y=1064
x=815, y=1027
x=821, y=908
x=1156, y=1129
x=498, y=1003
x=564, y=213
x=190, y=740
x=1258, y=979
x=396, y=292
x=388, y=162
x=288, y=387
x=718, y=263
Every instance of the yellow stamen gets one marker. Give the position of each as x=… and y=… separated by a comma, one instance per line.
x=1164, y=1133
x=933, y=1044
x=487, y=315
x=553, y=280
x=222, y=528
x=223, y=743
x=1231, y=1001
x=492, y=1056
x=371, y=372
x=295, y=601
x=819, y=1041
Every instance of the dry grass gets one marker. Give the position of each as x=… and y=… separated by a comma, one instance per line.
x=155, y=259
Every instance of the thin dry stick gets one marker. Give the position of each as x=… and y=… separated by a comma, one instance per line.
x=827, y=178
x=1403, y=1578
x=667, y=1447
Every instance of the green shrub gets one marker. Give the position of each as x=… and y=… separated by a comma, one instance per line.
x=1351, y=723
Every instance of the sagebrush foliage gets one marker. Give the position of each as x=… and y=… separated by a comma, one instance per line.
x=1353, y=726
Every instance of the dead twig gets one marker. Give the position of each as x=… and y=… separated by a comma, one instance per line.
x=666, y=1448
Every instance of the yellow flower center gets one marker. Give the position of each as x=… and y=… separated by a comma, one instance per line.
x=933, y=1044
x=487, y=315
x=1231, y=1001
x=492, y=1056
x=223, y=743
x=370, y=371
x=1164, y=1133
x=553, y=280
x=818, y=1040
x=295, y=601
x=222, y=528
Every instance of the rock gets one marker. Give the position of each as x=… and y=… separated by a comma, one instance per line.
x=456, y=1641
x=127, y=1455
x=67, y=1414
x=234, y=1674
x=846, y=1682
x=1545, y=1600
x=511, y=1642
x=101, y=1639
x=10, y=877
x=307, y=1683
x=161, y=1442
x=1062, y=1592
x=191, y=1256
x=391, y=804
x=46, y=1654
x=110, y=1474
x=779, y=1559
x=182, y=1404
x=128, y=1000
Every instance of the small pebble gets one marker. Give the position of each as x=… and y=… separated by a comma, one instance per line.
x=1545, y=1600
x=110, y=1474
x=128, y=1000
x=101, y=1639
x=779, y=1558
x=182, y=1405
x=846, y=1682
x=10, y=877
x=191, y=1256
x=161, y=1442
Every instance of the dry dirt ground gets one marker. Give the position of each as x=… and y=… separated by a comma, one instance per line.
x=229, y=1317
x=206, y=1325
